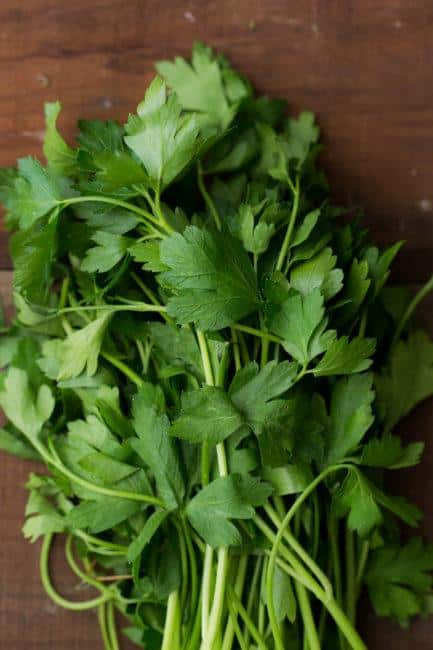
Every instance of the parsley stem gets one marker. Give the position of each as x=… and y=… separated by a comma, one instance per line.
x=206, y=196
x=206, y=588
x=111, y=625
x=333, y=530
x=102, y=619
x=55, y=461
x=126, y=370
x=247, y=620
x=239, y=585
x=292, y=220
x=256, y=332
x=170, y=639
x=418, y=297
x=52, y=593
x=118, y=202
x=301, y=552
x=310, y=630
x=350, y=575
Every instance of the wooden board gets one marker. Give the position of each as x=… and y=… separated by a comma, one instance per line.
x=363, y=66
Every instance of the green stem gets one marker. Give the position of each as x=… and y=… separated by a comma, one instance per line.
x=289, y=232
x=419, y=296
x=310, y=630
x=170, y=640
x=332, y=607
x=52, y=593
x=247, y=620
x=253, y=593
x=336, y=565
x=102, y=619
x=126, y=370
x=206, y=196
x=111, y=625
x=256, y=332
x=233, y=622
x=206, y=588
x=363, y=557
x=121, y=204
x=301, y=552
x=92, y=487
x=350, y=576
x=239, y=585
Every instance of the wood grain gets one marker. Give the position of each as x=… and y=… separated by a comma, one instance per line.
x=363, y=66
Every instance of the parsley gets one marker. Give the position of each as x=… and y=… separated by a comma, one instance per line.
x=211, y=368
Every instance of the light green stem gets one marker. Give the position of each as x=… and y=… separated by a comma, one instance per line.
x=170, y=640
x=289, y=232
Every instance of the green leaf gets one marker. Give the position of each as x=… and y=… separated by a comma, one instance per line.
x=149, y=529
x=255, y=237
x=100, y=515
x=399, y=578
x=379, y=264
x=253, y=391
x=300, y=321
x=301, y=133
x=355, y=289
x=305, y=228
x=344, y=357
x=161, y=137
x=390, y=453
x=41, y=517
x=226, y=498
x=318, y=273
x=361, y=500
x=33, y=252
x=208, y=415
x=289, y=479
x=177, y=346
x=211, y=276
x=81, y=349
x=27, y=409
x=407, y=379
x=350, y=416
x=60, y=157
x=106, y=164
x=12, y=443
x=154, y=445
x=110, y=249
x=36, y=192
x=149, y=254
x=202, y=85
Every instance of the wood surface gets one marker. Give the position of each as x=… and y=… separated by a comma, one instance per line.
x=364, y=66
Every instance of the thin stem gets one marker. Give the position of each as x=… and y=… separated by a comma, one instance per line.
x=292, y=220
x=206, y=196
x=239, y=585
x=252, y=593
x=97, y=489
x=121, y=204
x=298, y=548
x=363, y=557
x=419, y=296
x=126, y=370
x=236, y=353
x=206, y=588
x=247, y=620
x=170, y=640
x=52, y=593
x=336, y=565
x=234, y=626
x=350, y=576
x=102, y=619
x=256, y=332
x=149, y=294
x=111, y=625
x=310, y=630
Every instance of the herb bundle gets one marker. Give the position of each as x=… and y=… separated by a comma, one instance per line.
x=207, y=357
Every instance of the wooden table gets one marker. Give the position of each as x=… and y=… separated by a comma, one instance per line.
x=364, y=67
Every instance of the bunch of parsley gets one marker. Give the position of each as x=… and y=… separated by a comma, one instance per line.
x=209, y=361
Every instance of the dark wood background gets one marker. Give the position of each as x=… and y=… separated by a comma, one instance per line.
x=364, y=66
